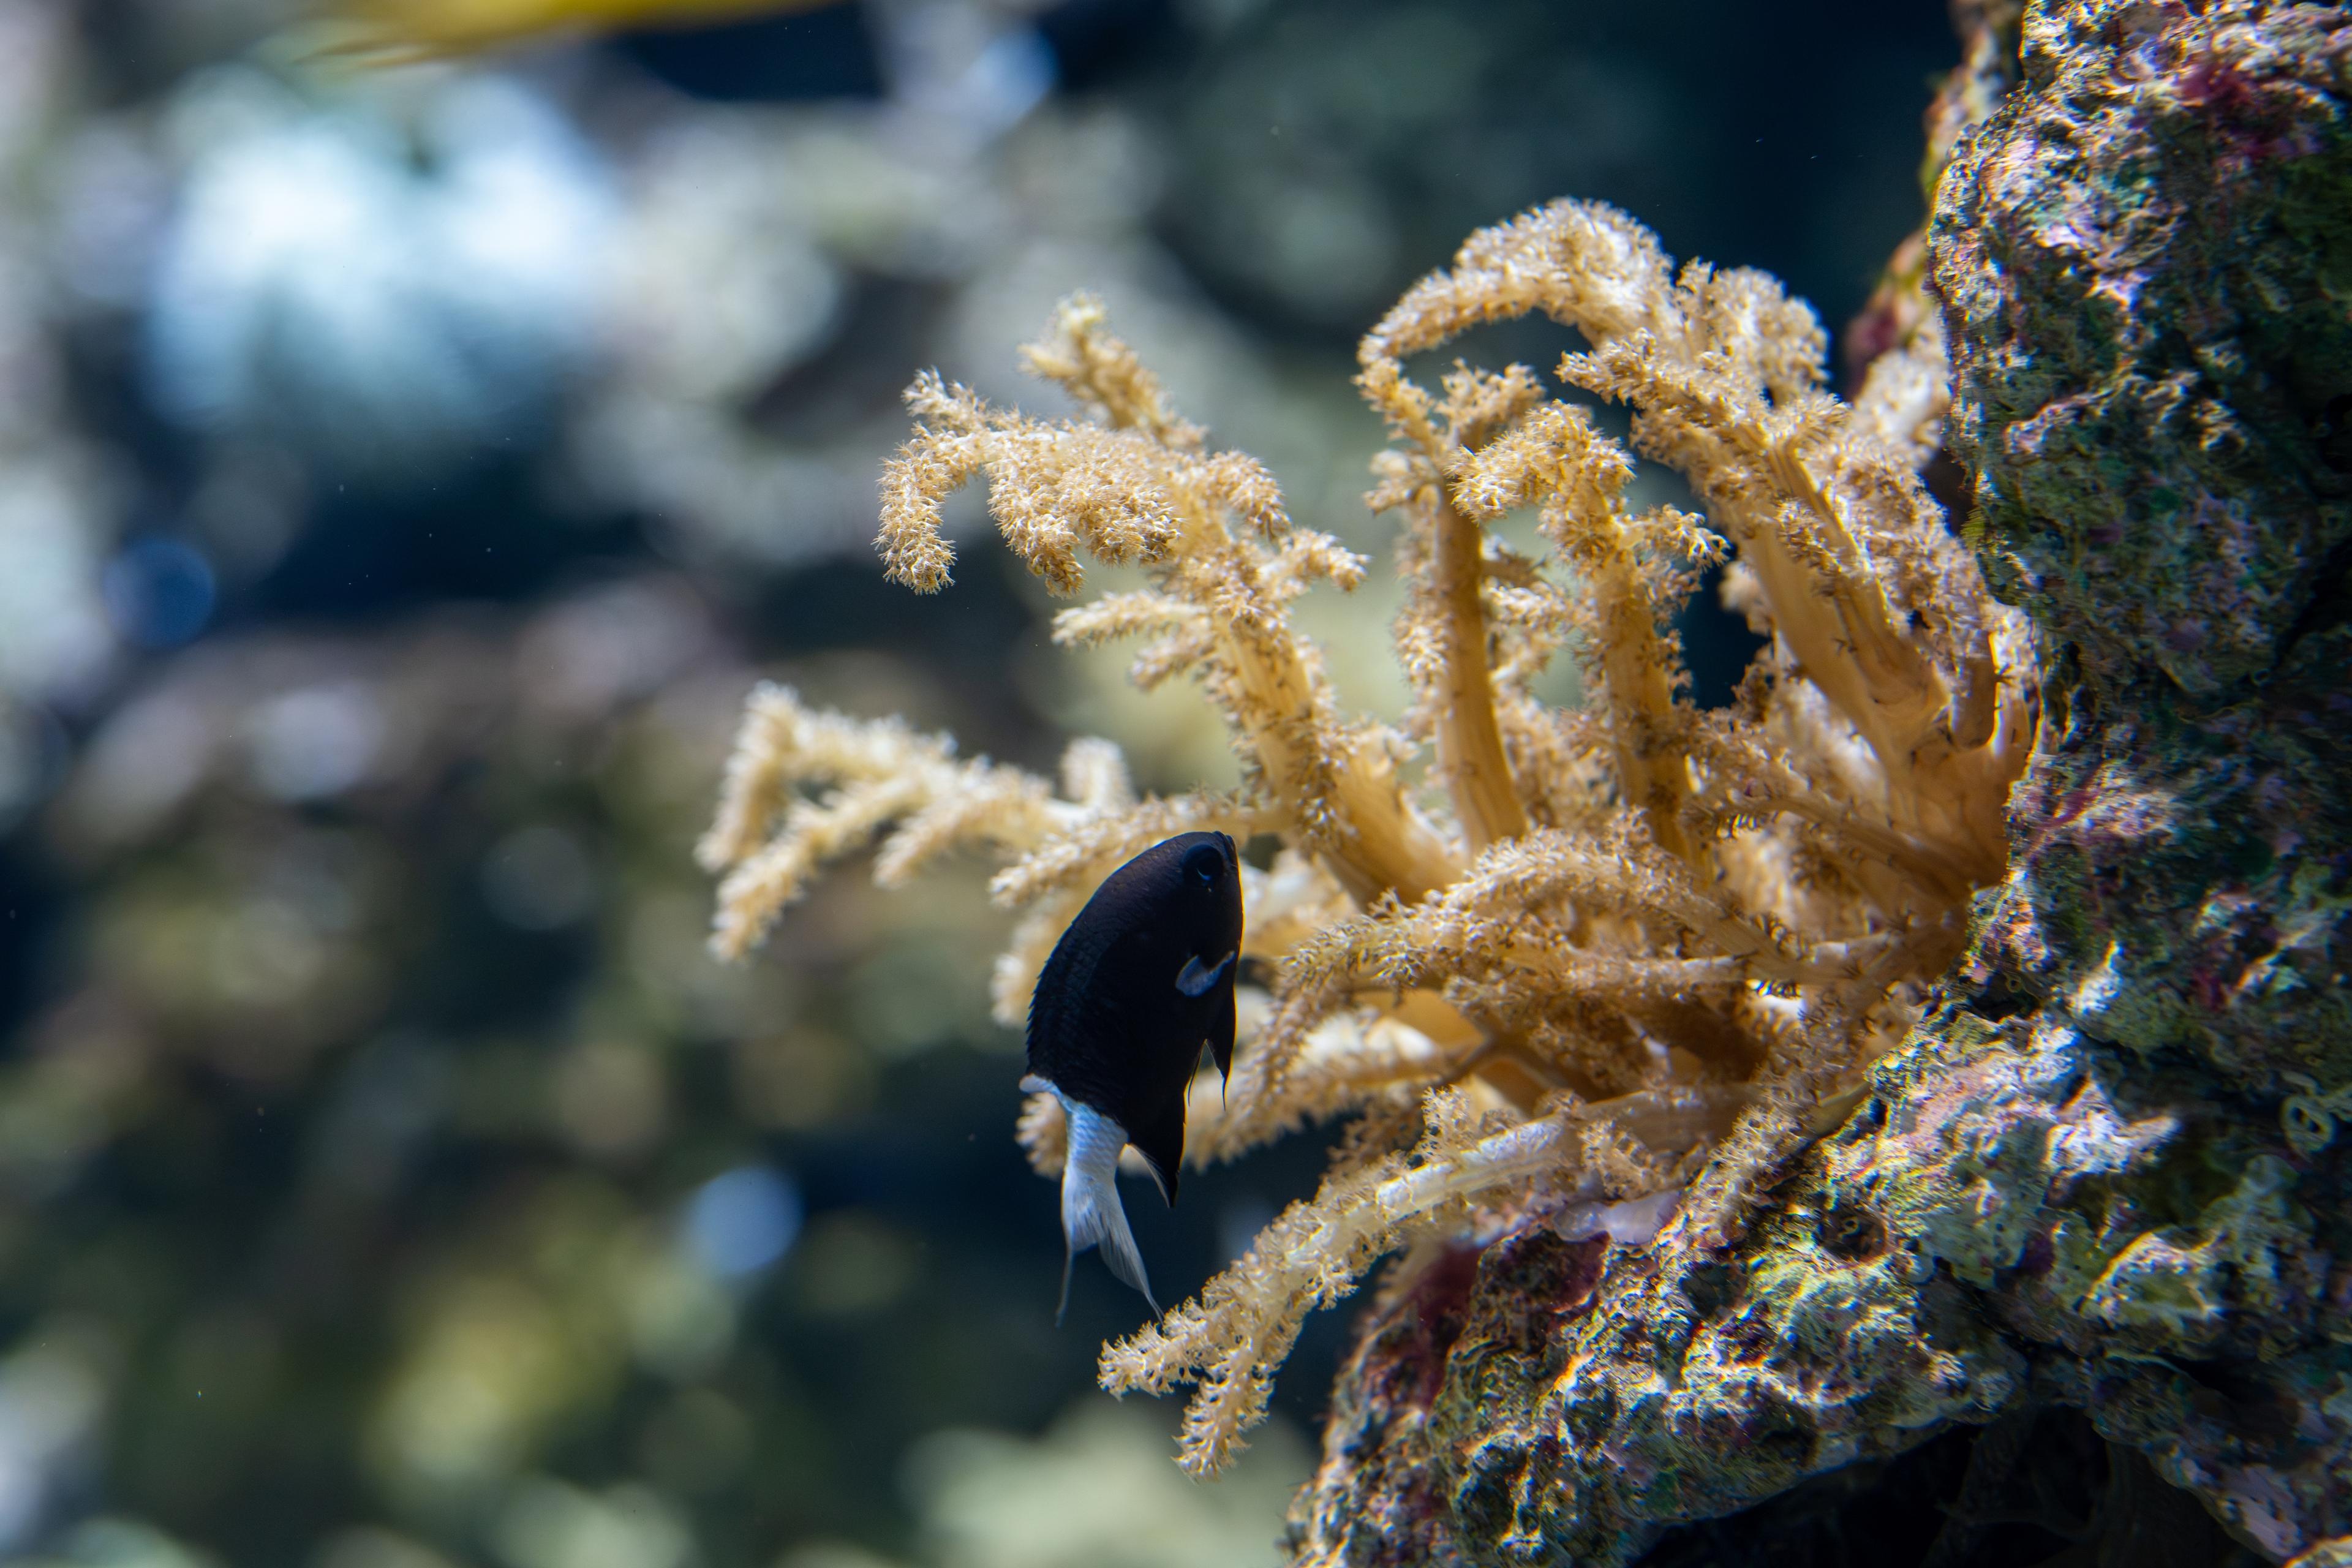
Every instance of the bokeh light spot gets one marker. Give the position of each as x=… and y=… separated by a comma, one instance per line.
x=316, y=741
x=743, y=1220
x=159, y=593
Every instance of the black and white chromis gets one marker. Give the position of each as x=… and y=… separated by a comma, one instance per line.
x=1138, y=983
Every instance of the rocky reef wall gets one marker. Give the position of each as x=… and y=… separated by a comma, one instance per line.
x=2103, y=1174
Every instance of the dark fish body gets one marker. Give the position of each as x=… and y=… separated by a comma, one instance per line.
x=1140, y=981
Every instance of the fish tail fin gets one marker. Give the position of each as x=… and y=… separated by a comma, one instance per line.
x=1092, y=1215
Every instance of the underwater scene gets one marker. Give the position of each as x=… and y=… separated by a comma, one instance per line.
x=1175, y=784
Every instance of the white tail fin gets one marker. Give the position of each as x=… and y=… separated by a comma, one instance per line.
x=1091, y=1212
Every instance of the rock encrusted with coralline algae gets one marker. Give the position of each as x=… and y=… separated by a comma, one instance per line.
x=2104, y=1172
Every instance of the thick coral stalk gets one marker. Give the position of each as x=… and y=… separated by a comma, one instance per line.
x=1469, y=742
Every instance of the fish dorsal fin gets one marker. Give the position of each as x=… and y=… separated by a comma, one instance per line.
x=1196, y=979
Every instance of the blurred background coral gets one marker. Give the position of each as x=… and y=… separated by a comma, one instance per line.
x=405, y=472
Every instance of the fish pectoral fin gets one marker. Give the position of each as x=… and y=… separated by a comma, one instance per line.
x=1196, y=979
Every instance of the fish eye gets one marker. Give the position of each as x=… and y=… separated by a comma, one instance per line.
x=1202, y=866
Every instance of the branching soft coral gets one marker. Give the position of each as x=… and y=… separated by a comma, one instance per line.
x=1564, y=949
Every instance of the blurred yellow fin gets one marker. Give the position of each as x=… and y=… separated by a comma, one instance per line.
x=404, y=30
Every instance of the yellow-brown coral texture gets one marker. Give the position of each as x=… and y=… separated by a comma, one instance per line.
x=1550, y=956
